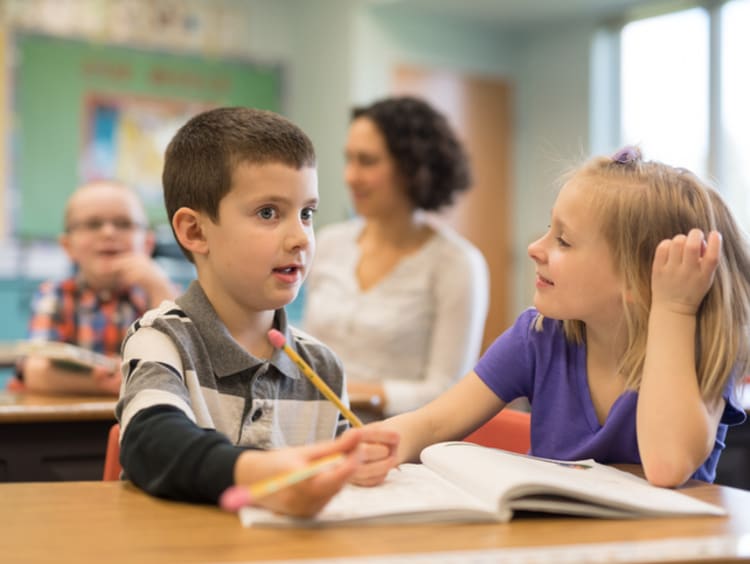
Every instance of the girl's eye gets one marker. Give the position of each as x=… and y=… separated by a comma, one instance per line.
x=562, y=242
x=307, y=214
x=267, y=213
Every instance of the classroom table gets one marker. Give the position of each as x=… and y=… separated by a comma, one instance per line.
x=115, y=522
x=53, y=437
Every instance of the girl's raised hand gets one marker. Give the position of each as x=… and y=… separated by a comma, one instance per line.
x=683, y=271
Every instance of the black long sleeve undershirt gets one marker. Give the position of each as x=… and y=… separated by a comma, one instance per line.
x=164, y=453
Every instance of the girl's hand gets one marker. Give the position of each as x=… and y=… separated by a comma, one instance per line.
x=683, y=271
x=377, y=455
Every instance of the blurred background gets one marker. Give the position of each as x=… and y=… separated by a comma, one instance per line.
x=96, y=88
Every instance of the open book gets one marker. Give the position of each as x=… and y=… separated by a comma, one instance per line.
x=63, y=354
x=460, y=481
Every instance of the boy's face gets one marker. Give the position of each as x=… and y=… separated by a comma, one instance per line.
x=104, y=222
x=258, y=252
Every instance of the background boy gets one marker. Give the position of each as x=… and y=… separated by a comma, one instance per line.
x=116, y=280
x=202, y=382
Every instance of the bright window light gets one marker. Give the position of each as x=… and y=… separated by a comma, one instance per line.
x=735, y=123
x=665, y=88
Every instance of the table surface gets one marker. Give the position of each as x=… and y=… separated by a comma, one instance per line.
x=24, y=407
x=116, y=522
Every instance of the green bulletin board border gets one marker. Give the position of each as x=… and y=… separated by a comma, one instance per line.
x=55, y=80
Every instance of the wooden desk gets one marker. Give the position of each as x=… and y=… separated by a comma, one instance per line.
x=115, y=522
x=48, y=438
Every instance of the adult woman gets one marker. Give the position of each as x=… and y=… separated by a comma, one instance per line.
x=401, y=298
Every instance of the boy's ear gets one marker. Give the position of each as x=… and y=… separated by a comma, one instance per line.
x=64, y=240
x=188, y=228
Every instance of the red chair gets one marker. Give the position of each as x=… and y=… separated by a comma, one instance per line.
x=112, y=466
x=509, y=430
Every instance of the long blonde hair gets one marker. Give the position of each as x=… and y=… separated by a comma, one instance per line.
x=640, y=203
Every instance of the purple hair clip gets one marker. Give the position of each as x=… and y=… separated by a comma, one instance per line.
x=626, y=155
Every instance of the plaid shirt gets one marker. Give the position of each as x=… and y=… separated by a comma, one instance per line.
x=71, y=312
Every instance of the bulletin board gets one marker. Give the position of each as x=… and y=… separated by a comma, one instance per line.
x=84, y=111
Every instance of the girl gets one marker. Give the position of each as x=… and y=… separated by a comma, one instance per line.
x=637, y=339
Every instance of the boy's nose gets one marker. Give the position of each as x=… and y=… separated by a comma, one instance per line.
x=299, y=236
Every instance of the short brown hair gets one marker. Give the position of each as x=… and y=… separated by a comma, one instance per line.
x=202, y=156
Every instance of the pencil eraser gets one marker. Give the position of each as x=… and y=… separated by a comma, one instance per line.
x=234, y=498
x=277, y=338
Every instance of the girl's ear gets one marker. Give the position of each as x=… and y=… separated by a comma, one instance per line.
x=188, y=228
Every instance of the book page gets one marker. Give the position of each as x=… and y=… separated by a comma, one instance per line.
x=410, y=493
x=506, y=476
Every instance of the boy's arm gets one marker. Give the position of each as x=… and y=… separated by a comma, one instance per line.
x=45, y=376
x=163, y=452
x=676, y=428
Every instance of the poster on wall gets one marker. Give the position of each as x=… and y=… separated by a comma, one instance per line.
x=113, y=112
x=126, y=137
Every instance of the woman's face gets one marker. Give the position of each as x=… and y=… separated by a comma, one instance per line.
x=371, y=172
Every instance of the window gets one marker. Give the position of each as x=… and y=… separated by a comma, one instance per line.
x=665, y=88
x=734, y=140
x=684, y=92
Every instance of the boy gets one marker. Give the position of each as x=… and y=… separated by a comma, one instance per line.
x=107, y=238
x=203, y=386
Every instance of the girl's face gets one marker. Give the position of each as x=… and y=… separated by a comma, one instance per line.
x=575, y=275
x=371, y=172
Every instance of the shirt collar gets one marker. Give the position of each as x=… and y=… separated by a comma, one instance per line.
x=227, y=355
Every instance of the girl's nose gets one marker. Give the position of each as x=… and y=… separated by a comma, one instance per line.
x=535, y=250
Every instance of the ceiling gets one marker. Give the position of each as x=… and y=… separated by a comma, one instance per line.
x=515, y=13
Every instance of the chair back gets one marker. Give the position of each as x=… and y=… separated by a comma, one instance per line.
x=112, y=468
x=509, y=430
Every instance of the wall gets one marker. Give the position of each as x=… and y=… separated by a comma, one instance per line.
x=336, y=53
x=552, y=132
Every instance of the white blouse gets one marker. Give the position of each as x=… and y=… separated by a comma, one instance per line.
x=417, y=331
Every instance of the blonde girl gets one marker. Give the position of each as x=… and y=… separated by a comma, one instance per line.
x=637, y=338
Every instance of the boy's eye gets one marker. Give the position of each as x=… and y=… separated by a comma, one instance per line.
x=267, y=213
x=307, y=214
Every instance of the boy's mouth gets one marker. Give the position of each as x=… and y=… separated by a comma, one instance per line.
x=289, y=269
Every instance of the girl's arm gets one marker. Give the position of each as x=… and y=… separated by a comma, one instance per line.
x=453, y=415
x=676, y=428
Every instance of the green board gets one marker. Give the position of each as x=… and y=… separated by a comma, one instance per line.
x=84, y=111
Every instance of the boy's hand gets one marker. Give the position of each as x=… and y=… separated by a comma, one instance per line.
x=134, y=269
x=378, y=451
x=307, y=497
x=683, y=271
x=106, y=380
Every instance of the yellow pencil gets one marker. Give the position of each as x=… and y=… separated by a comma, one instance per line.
x=235, y=497
x=279, y=341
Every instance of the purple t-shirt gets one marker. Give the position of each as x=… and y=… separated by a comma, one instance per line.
x=550, y=371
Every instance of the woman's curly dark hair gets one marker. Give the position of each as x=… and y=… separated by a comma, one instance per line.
x=427, y=152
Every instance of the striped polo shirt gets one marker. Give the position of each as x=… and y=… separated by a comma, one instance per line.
x=181, y=354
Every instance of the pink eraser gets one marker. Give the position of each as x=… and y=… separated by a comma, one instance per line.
x=234, y=498
x=277, y=338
